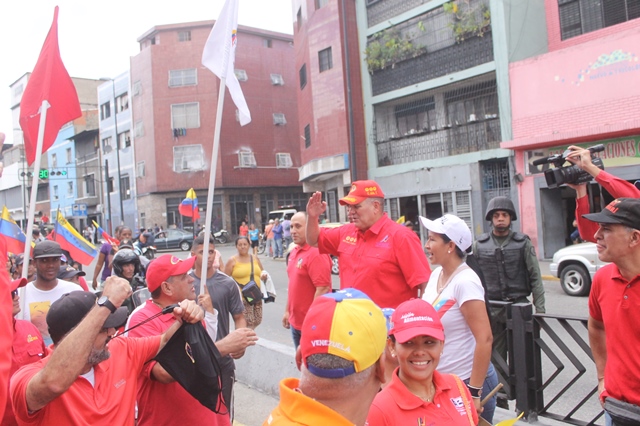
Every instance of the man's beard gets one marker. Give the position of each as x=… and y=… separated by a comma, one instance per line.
x=97, y=356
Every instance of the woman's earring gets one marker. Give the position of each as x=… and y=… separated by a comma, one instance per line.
x=449, y=251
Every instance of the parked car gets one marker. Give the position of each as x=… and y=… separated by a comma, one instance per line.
x=173, y=239
x=575, y=266
x=335, y=267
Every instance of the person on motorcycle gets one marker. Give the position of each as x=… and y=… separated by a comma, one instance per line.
x=126, y=264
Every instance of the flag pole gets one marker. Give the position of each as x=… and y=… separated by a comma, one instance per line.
x=34, y=189
x=212, y=181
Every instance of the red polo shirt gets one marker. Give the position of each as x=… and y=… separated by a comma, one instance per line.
x=110, y=402
x=616, y=302
x=159, y=403
x=307, y=270
x=396, y=405
x=28, y=347
x=386, y=261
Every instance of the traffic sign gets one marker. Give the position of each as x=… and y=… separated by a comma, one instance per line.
x=79, y=210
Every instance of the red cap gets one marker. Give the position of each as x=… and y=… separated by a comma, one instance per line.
x=413, y=318
x=16, y=284
x=166, y=266
x=360, y=191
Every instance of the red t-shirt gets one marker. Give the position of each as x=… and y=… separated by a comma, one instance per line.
x=396, y=405
x=386, y=262
x=244, y=230
x=6, y=326
x=159, y=403
x=110, y=402
x=307, y=270
x=616, y=302
x=28, y=347
x=618, y=188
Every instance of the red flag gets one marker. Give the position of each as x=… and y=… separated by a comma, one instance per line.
x=51, y=82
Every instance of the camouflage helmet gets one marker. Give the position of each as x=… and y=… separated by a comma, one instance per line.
x=500, y=203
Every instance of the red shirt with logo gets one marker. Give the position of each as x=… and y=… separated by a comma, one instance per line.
x=386, y=261
x=28, y=347
x=396, y=405
x=615, y=302
x=160, y=403
x=110, y=402
x=307, y=270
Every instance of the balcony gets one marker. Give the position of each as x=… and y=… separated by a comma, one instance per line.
x=428, y=144
x=456, y=57
x=382, y=10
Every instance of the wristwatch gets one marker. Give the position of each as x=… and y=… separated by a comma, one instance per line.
x=104, y=301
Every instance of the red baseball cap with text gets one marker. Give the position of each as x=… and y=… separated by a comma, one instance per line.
x=360, y=191
x=166, y=266
x=415, y=317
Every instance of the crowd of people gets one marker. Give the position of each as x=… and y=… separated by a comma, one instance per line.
x=398, y=343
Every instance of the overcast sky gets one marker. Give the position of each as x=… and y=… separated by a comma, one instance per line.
x=97, y=37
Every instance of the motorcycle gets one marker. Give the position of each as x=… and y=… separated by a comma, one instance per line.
x=221, y=236
x=147, y=251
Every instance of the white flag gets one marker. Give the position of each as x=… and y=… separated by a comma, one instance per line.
x=220, y=52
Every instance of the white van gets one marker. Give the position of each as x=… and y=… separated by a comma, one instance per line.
x=282, y=214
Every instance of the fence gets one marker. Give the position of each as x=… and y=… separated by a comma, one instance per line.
x=549, y=359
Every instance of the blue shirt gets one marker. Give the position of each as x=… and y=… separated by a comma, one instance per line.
x=254, y=234
x=277, y=232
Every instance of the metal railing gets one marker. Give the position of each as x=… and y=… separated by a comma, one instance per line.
x=549, y=359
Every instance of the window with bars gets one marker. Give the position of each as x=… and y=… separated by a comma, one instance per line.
x=184, y=36
x=472, y=103
x=186, y=77
x=185, y=116
x=303, y=76
x=283, y=160
x=325, y=59
x=583, y=16
x=188, y=158
x=307, y=136
x=279, y=119
x=415, y=116
x=277, y=80
x=246, y=159
x=241, y=75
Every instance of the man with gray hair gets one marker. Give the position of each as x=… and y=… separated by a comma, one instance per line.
x=343, y=339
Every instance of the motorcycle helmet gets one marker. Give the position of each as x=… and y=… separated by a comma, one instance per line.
x=500, y=203
x=124, y=257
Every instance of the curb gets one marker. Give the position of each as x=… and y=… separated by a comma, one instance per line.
x=550, y=278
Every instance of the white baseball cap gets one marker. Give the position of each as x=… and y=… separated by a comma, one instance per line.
x=451, y=226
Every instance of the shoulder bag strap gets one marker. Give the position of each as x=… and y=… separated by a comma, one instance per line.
x=251, y=276
x=467, y=404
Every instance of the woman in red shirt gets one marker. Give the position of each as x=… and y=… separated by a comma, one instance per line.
x=418, y=394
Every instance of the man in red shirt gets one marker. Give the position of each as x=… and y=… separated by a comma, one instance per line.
x=159, y=396
x=618, y=188
x=89, y=377
x=28, y=346
x=309, y=277
x=378, y=256
x=614, y=299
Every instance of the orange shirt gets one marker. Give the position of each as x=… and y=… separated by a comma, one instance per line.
x=110, y=402
x=298, y=409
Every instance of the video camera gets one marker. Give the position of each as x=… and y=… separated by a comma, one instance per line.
x=568, y=174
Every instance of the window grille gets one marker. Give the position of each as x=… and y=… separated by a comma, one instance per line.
x=283, y=160
x=246, y=159
x=188, y=158
x=277, y=80
x=278, y=119
x=241, y=75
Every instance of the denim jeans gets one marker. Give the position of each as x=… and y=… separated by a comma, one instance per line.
x=278, y=250
x=271, y=247
x=490, y=382
x=295, y=335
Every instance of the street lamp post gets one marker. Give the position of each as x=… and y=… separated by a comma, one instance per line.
x=115, y=121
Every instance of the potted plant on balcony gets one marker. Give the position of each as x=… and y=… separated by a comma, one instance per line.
x=388, y=47
x=470, y=18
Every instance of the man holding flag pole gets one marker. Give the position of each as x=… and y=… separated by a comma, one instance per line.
x=219, y=57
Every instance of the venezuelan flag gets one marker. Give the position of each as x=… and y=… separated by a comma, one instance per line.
x=69, y=239
x=11, y=233
x=108, y=238
x=189, y=206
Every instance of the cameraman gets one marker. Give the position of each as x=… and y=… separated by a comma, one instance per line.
x=618, y=188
